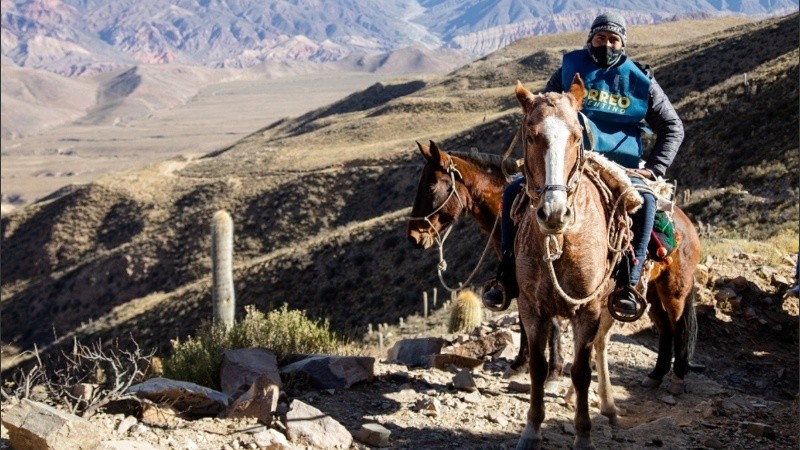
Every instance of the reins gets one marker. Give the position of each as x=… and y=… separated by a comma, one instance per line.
x=452, y=170
x=617, y=237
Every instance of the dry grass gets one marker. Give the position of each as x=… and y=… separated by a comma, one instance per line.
x=319, y=201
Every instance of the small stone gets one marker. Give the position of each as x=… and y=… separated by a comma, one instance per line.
x=497, y=418
x=374, y=434
x=126, y=424
x=713, y=443
x=669, y=399
x=463, y=381
x=516, y=386
x=428, y=406
x=724, y=294
x=568, y=428
x=759, y=429
x=271, y=439
x=473, y=397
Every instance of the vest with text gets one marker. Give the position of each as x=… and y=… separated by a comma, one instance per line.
x=615, y=102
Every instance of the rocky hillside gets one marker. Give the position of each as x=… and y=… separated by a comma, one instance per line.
x=319, y=201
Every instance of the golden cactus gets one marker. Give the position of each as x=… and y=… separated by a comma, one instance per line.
x=467, y=312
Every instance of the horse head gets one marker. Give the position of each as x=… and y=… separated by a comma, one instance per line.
x=441, y=198
x=553, y=157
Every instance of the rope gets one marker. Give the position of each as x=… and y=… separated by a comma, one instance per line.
x=616, y=243
x=510, y=149
x=442, y=265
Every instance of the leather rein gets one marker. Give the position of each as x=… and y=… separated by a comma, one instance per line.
x=452, y=171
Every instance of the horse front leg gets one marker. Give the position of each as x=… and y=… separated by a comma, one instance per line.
x=519, y=364
x=531, y=437
x=604, y=389
x=585, y=329
x=556, y=360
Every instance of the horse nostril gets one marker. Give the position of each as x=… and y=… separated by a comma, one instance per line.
x=568, y=214
x=541, y=214
x=414, y=241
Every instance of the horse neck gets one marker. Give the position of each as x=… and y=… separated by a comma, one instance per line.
x=485, y=193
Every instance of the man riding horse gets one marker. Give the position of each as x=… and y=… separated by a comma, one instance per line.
x=620, y=94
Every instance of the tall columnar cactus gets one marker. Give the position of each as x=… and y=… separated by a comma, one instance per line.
x=467, y=313
x=223, y=295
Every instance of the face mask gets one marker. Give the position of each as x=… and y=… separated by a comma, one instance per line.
x=605, y=56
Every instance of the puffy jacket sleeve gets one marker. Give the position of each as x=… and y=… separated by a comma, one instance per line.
x=554, y=83
x=664, y=121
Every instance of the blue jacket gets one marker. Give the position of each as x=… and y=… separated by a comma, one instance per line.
x=659, y=113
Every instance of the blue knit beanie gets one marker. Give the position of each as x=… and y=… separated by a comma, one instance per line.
x=612, y=22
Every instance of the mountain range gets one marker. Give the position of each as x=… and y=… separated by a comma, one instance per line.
x=74, y=37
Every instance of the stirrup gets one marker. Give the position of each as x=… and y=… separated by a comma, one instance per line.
x=640, y=302
x=495, y=283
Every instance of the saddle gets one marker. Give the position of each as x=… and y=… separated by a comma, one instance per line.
x=664, y=239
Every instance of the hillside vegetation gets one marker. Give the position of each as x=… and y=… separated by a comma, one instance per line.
x=319, y=202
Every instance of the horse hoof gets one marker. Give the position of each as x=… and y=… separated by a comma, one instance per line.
x=677, y=386
x=613, y=416
x=650, y=383
x=583, y=444
x=511, y=373
x=529, y=444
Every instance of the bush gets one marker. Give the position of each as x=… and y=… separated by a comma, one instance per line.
x=285, y=333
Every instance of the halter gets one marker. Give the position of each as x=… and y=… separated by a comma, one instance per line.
x=452, y=170
x=572, y=182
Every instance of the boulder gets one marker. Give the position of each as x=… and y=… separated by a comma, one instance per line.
x=183, y=396
x=241, y=367
x=334, y=372
x=415, y=352
x=260, y=401
x=35, y=426
x=304, y=423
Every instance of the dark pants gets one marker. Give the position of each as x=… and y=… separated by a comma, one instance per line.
x=642, y=225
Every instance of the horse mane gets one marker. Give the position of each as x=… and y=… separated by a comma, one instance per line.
x=489, y=162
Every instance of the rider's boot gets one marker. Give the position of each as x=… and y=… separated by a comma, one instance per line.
x=500, y=290
x=623, y=299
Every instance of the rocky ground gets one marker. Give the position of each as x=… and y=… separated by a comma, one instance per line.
x=746, y=398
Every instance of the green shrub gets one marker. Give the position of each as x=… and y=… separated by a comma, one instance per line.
x=198, y=359
x=283, y=332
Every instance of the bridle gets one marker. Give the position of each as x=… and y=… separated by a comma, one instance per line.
x=452, y=171
x=575, y=174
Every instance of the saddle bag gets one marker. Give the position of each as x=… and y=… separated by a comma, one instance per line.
x=663, y=239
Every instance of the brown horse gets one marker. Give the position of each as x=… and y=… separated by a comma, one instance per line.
x=454, y=184
x=565, y=250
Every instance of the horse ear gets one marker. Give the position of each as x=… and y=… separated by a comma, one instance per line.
x=577, y=90
x=425, y=150
x=439, y=155
x=524, y=96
